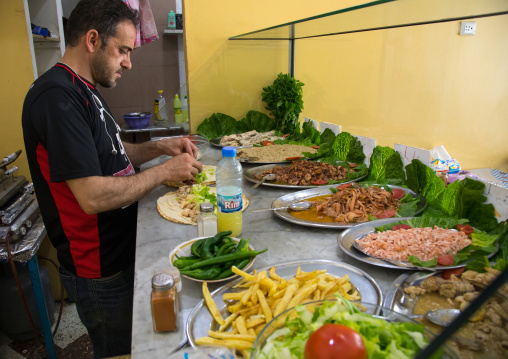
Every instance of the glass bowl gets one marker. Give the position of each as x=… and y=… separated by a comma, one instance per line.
x=199, y=141
x=379, y=312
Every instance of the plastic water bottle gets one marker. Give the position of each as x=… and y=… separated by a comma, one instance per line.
x=177, y=105
x=229, y=193
x=163, y=110
x=171, y=20
x=185, y=110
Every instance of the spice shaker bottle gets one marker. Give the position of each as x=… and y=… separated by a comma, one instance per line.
x=207, y=220
x=164, y=303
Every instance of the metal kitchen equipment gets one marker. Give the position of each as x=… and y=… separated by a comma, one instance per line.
x=21, y=233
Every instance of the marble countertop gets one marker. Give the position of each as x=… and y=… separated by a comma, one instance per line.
x=156, y=237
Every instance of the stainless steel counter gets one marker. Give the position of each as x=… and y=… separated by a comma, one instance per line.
x=156, y=237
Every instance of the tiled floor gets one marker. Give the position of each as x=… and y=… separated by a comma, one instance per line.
x=71, y=340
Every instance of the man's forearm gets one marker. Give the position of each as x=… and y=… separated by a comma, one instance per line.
x=142, y=152
x=99, y=194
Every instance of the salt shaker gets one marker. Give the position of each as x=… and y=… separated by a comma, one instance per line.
x=207, y=220
x=164, y=303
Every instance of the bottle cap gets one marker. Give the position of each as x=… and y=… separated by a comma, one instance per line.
x=160, y=91
x=162, y=282
x=206, y=207
x=228, y=151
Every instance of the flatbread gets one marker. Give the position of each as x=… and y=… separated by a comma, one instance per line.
x=210, y=173
x=169, y=207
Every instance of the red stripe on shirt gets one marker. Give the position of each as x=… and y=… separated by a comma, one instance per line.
x=81, y=229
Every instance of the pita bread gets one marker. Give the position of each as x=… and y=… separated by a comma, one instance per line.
x=169, y=207
x=210, y=173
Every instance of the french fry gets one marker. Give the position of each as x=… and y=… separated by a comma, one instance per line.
x=264, y=306
x=229, y=335
x=228, y=321
x=243, y=274
x=302, y=294
x=230, y=343
x=232, y=296
x=212, y=307
x=286, y=299
x=240, y=325
x=274, y=276
x=255, y=321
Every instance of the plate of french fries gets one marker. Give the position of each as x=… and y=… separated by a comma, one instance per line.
x=234, y=314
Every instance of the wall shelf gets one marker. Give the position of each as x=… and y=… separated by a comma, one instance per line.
x=172, y=32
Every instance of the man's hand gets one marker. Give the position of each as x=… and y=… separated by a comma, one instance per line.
x=178, y=145
x=182, y=167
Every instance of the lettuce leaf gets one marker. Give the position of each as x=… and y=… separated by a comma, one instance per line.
x=255, y=120
x=217, y=125
x=423, y=180
x=345, y=147
x=385, y=165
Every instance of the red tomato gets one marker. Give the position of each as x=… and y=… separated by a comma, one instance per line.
x=333, y=341
x=447, y=273
x=466, y=228
x=319, y=182
x=401, y=226
x=386, y=214
x=344, y=186
x=268, y=143
x=315, y=147
x=286, y=135
x=293, y=158
x=353, y=165
x=398, y=193
x=445, y=260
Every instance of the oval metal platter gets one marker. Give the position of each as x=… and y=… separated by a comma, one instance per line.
x=200, y=320
x=286, y=200
x=346, y=241
x=250, y=175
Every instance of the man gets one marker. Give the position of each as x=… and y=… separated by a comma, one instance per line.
x=83, y=174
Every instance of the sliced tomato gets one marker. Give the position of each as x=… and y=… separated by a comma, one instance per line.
x=286, y=135
x=466, y=228
x=335, y=341
x=344, y=186
x=293, y=158
x=319, y=182
x=314, y=147
x=401, y=226
x=445, y=260
x=268, y=143
x=447, y=273
x=353, y=165
x=398, y=193
x=389, y=213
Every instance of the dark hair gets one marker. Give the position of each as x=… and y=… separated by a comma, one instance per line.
x=101, y=15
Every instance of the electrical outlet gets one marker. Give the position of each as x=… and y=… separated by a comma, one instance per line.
x=468, y=28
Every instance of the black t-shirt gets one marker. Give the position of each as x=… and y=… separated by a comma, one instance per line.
x=69, y=133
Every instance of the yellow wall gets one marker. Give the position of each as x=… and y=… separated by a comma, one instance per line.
x=17, y=76
x=422, y=86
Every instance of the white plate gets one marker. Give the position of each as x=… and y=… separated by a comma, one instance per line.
x=200, y=320
x=184, y=249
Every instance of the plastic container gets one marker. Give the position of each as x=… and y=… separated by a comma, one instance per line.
x=207, y=220
x=185, y=110
x=177, y=106
x=229, y=193
x=163, y=110
x=137, y=120
x=171, y=20
x=164, y=303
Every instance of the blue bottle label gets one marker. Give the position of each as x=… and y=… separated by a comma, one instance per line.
x=229, y=204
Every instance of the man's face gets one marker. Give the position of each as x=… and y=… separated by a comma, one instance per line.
x=110, y=60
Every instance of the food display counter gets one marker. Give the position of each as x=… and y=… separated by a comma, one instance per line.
x=286, y=242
